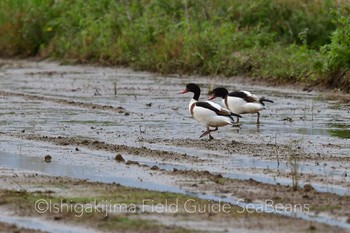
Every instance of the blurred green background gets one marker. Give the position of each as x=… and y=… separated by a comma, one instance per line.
x=275, y=40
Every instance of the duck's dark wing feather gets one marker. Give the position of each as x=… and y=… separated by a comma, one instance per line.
x=213, y=107
x=247, y=96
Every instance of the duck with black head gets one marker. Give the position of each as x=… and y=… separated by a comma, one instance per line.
x=240, y=102
x=208, y=113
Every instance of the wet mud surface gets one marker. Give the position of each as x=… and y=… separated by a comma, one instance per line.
x=84, y=116
x=18, y=201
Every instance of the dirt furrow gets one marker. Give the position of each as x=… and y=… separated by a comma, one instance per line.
x=262, y=150
x=114, y=148
x=72, y=103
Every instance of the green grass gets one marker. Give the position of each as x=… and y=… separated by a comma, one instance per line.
x=274, y=40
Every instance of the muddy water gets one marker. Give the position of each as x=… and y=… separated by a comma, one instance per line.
x=92, y=165
x=143, y=110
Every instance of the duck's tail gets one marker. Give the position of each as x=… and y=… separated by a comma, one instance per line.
x=263, y=99
x=230, y=118
x=236, y=115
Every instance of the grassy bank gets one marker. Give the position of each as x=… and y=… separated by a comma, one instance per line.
x=275, y=40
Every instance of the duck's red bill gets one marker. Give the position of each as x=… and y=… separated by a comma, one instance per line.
x=211, y=97
x=184, y=91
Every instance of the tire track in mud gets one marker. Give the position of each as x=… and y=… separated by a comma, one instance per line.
x=72, y=103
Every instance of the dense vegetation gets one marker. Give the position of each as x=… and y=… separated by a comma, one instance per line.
x=277, y=40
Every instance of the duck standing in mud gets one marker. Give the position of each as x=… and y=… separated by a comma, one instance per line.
x=208, y=113
x=240, y=102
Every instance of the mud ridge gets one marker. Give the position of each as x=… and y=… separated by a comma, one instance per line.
x=67, y=188
x=254, y=191
x=65, y=102
x=263, y=150
x=114, y=148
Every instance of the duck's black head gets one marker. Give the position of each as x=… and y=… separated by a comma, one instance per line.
x=218, y=92
x=194, y=88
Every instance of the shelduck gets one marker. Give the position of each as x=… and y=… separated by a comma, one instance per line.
x=240, y=102
x=208, y=113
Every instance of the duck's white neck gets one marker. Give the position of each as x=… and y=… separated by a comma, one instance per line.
x=192, y=101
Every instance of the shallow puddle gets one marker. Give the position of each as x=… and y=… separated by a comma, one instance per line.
x=101, y=171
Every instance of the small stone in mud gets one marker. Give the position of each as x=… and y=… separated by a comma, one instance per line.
x=56, y=218
x=288, y=119
x=155, y=167
x=206, y=172
x=308, y=188
x=251, y=180
x=312, y=228
x=277, y=198
x=119, y=158
x=77, y=149
x=48, y=158
x=120, y=109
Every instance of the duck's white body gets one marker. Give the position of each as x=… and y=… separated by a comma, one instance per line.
x=241, y=106
x=208, y=113
x=240, y=102
x=208, y=117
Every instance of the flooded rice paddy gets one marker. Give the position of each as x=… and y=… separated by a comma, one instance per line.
x=82, y=116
